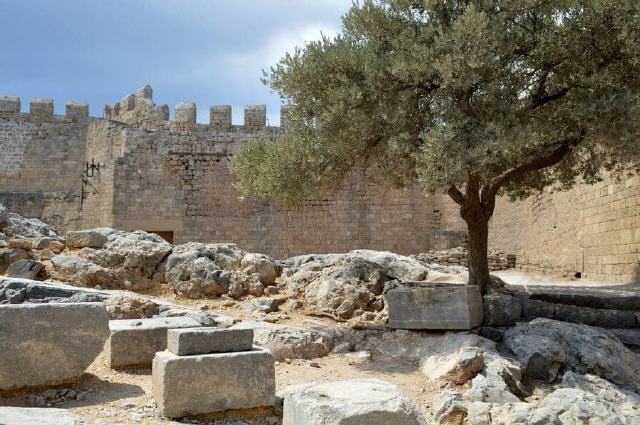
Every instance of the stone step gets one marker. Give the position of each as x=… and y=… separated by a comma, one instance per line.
x=619, y=297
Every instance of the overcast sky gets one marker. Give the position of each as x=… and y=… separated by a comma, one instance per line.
x=207, y=51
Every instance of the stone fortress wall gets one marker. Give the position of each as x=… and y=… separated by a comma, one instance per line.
x=170, y=176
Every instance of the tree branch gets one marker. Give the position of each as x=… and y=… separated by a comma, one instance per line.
x=537, y=164
x=456, y=195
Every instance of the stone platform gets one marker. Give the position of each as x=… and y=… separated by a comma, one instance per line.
x=199, y=382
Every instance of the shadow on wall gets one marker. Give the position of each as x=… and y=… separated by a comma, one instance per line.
x=636, y=275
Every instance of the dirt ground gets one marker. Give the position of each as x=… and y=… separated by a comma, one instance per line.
x=124, y=396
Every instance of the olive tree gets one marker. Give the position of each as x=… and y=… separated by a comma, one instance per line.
x=475, y=99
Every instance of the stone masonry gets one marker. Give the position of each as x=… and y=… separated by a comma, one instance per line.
x=137, y=169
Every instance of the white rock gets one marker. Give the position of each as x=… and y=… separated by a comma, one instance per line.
x=355, y=402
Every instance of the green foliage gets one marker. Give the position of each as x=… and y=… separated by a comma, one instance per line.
x=440, y=92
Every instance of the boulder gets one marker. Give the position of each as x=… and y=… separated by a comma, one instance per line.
x=544, y=346
x=206, y=383
x=344, y=285
x=626, y=404
x=82, y=272
x=9, y=256
x=289, y=342
x=455, y=358
x=261, y=264
x=434, y=306
x=354, y=402
x=85, y=239
x=14, y=225
x=25, y=269
x=122, y=306
x=49, y=344
x=37, y=416
x=501, y=309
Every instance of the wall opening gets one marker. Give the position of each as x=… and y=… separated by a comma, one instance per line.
x=167, y=235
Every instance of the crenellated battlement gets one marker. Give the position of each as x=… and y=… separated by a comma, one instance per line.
x=138, y=109
x=41, y=110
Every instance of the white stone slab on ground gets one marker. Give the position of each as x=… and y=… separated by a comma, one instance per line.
x=353, y=402
x=37, y=416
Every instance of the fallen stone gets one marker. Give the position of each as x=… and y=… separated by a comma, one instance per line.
x=24, y=269
x=199, y=384
x=261, y=264
x=354, y=402
x=133, y=343
x=130, y=307
x=455, y=358
x=266, y=305
x=434, y=306
x=183, y=342
x=85, y=239
x=14, y=225
x=545, y=346
x=289, y=342
x=21, y=243
x=49, y=344
x=37, y=416
x=501, y=309
x=458, y=368
x=630, y=337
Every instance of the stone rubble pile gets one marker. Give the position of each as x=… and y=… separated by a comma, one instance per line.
x=498, y=260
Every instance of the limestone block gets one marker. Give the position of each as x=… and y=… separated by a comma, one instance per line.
x=501, y=309
x=49, y=344
x=85, y=239
x=192, y=385
x=434, y=306
x=354, y=402
x=183, y=342
x=24, y=269
x=134, y=342
x=37, y=416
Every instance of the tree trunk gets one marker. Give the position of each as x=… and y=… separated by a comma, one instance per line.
x=477, y=258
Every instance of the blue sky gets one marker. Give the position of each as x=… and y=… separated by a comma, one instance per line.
x=207, y=51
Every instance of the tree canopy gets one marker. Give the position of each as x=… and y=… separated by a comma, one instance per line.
x=520, y=94
x=473, y=98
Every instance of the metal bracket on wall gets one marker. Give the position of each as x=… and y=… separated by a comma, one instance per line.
x=89, y=171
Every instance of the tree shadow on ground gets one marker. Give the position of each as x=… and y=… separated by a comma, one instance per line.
x=92, y=391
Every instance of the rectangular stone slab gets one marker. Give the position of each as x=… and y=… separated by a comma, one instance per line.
x=183, y=342
x=134, y=342
x=49, y=344
x=434, y=307
x=193, y=385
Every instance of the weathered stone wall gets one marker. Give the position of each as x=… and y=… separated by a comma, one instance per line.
x=164, y=175
x=593, y=230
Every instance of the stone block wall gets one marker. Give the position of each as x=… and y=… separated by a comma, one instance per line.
x=591, y=230
x=172, y=176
